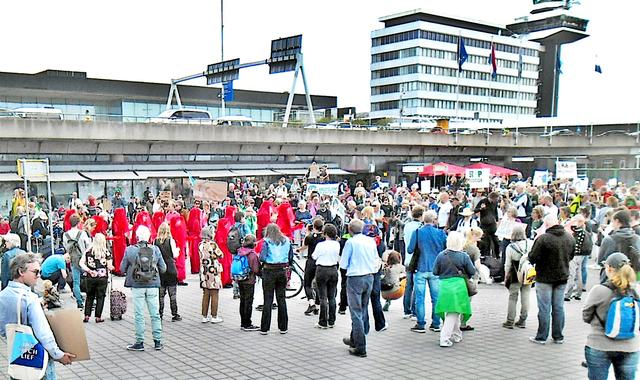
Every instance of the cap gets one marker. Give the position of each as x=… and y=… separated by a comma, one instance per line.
x=617, y=260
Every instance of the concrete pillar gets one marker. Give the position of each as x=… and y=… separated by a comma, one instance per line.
x=117, y=158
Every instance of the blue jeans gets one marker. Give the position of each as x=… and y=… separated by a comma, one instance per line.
x=585, y=261
x=420, y=280
x=550, y=306
x=149, y=298
x=409, y=299
x=75, y=273
x=625, y=364
x=376, y=306
x=358, y=294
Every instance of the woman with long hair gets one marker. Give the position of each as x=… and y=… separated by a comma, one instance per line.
x=601, y=351
x=96, y=264
x=169, y=279
x=276, y=255
x=518, y=247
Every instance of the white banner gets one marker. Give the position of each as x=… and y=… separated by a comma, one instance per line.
x=323, y=188
x=566, y=169
x=540, y=177
x=581, y=185
x=478, y=178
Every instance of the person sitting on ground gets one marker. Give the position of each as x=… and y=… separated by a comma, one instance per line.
x=51, y=297
x=393, y=274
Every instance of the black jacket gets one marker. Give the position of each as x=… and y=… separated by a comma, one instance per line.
x=551, y=253
x=488, y=214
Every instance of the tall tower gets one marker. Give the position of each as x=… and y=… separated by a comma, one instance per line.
x=551, y=24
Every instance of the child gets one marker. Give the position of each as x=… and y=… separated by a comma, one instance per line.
x=210, y=280
x=51, y=298
x=246, y=287
x=393, y=274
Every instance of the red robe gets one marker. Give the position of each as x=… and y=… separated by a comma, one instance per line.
x=102, y=227
x=157, y=219
x=178, y=227
x=119, y=228
x=194, y=227
x=143, y=219
x=263, y=217
x=67, y=221
x=224, y=225
x=286, y=220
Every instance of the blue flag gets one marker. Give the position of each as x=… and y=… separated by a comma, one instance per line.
x=462, y=53
x=598, y=69
x=520, y=63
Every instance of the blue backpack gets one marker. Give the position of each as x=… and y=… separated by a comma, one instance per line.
x=623, y=317
x=240, y=268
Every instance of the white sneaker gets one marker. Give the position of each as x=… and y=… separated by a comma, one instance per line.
x=456, y=339
x=414, y=318
x=446, y=343
x=205, y=319
x=217, y=319
x=406, y=316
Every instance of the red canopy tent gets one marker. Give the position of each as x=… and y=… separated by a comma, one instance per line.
x=442, y=168
x=493, y=169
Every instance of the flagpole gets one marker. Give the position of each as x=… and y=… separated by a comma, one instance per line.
x=491, y=58
x=519, y=79
x=458, y=84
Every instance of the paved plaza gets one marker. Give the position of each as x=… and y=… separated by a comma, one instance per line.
x=194, y=350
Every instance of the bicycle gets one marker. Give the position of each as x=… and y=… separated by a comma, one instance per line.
x=295, y=278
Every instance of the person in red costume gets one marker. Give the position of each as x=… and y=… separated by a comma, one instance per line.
x=224, y=225
x=119, y=228
x=178, y=228
x=102, y=224
x=67, y=216
x=263, y=217
x=157, y=219
x=286, y=220
x=143, y=219
x=194, y=226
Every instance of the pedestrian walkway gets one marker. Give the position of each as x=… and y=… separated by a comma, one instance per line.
x=194, y=350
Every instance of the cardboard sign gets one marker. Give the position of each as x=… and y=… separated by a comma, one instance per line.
x=581, y=185
x=478, y=178
x=566, y=169
x=165, y=195
x=323, y=188
x=68, y=330
x=540, y=177
x=505, y=228
x=425, y=186
x=210, y=190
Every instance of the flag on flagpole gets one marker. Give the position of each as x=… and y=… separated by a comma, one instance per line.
x=598, y=69
x=493, y=61
x=192, y=180
x=462, y=53
x=558, y=64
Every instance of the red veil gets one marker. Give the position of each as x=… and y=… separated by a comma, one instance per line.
x=67, y=217
x=101, y=225
x=263, y=217
x=178, y=227
x=143, y=219
x=157, y=219
x=194, y=226
x=224, y=225
x=286, y=220
x=119, y=227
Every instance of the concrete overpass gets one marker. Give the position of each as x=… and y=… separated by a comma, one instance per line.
x=101, y=143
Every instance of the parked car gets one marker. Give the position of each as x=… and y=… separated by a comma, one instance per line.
x=184, y=116
x=234, y=121
x=559, y=132
x=39, y=113
x=5, y=112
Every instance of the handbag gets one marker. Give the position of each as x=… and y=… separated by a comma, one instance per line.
x=472, y=288
x=413, y=263
x=27, y=357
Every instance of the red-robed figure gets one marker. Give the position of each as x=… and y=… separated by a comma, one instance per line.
x=224, y=225
x=119, y=228
x=178, y=227
x=286, y=220
x=194, y=226
x=102, y=224
x=157, y=219
x=263, y=217
x=143, y=219
x=67, y=219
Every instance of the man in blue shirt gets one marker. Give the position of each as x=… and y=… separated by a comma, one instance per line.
x=360, y=259
x=54, y=269
x=24, y=270
x=431, y=241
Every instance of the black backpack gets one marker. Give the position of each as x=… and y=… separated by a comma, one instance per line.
x=73, y=248
x=234, y=240
x=145, y=268
x=627, y=246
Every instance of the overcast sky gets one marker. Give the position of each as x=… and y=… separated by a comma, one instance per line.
x=155, y=41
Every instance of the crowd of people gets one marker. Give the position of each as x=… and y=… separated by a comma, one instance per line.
x=363, y=245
